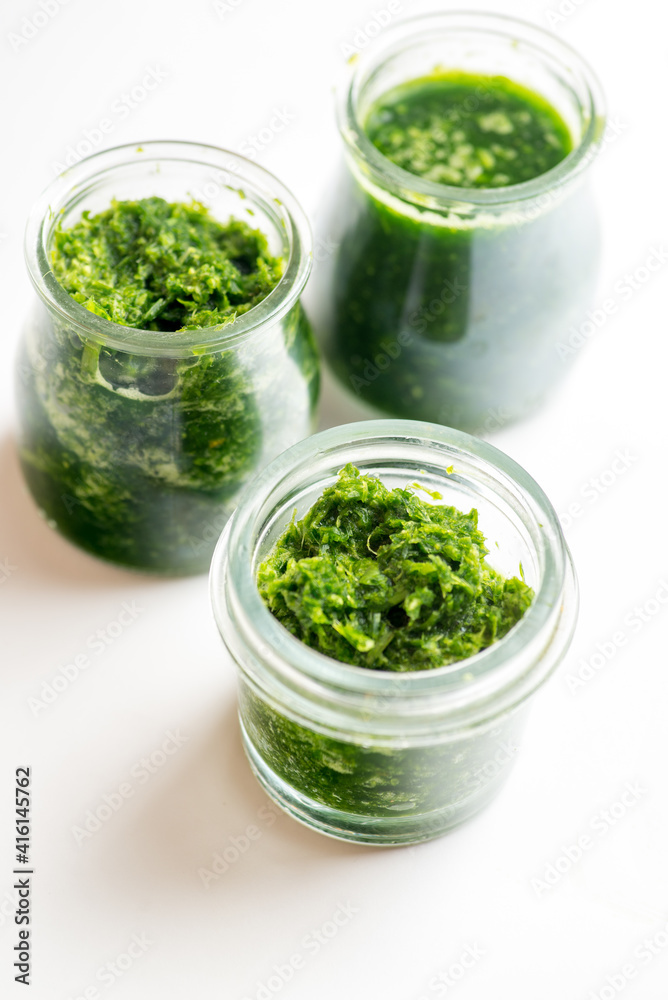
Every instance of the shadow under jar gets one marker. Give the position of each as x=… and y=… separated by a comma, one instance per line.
x=445, y=302
x=135, y=443
x=374, y=756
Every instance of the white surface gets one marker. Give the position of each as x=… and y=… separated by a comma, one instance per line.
x=415, y=910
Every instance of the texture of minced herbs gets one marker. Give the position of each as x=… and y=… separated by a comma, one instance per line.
x=384, y=579
x=158, y=265
x=468, y=131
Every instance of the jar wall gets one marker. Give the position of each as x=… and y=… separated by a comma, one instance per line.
x=367, y=789
x=457, y=325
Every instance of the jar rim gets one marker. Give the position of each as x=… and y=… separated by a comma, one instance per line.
x=505, y=672
x=430, y=194
x=241, y=175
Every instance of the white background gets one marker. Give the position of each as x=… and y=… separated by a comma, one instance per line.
x=414, y=911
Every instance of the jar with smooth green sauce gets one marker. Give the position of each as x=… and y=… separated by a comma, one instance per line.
x=370, y=755
x=448, y=299
x=136, y=442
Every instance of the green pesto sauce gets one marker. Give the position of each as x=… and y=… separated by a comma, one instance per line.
x=156, y=265
x=438, y=785
x=138, y=458
x=455, y=315
x=384, y=579
x=468, y=131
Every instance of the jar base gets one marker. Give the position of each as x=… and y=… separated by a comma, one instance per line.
x=381, y=831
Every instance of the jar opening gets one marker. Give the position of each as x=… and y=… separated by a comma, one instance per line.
x=229, y=186
x=485, y=45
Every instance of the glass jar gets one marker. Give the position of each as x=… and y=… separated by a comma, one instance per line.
x=370, y=755
x=135, y=443
x=447, y=303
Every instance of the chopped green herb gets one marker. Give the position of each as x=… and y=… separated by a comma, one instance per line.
x=387, y=580
x=383, y=579
x=157, y=265
x=136, y=458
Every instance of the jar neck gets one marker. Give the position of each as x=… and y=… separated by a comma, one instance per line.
x=485, y=45
x=228, y=184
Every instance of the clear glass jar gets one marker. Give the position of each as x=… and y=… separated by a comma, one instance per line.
x=447, y=303
x=370, y=755
x=135, y=443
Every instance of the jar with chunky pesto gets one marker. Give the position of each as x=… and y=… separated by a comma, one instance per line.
x=168, y=357
x=373, y=755
x=465, y=238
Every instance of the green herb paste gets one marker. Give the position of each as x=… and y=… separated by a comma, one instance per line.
x=453, y=312
x=156, y=265
x=430, y=787
x=468, y=131
x=384, y=579
x=387, y=580
x=136, y=458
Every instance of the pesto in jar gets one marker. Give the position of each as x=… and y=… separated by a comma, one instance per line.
x=383, y=579
x=468, y=131
x=138, y=457
x=158, y=265
x=387, y=580
x=441, y=307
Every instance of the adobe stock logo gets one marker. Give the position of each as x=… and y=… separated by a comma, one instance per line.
x=97, y=643
x=140, y=772
x=365, y=33
x=32, y=24
x=311, y=944
x=600, y=824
